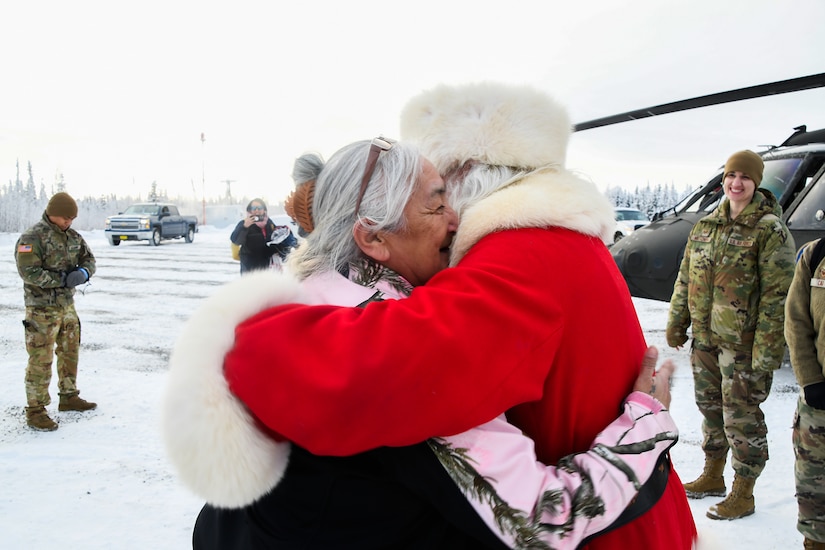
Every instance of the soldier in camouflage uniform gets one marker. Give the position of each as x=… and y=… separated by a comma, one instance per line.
x=731, y=288
x=805, y=333
x=52, y=260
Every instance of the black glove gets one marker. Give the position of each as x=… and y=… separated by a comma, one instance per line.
x=815, y=395
x=75, y=277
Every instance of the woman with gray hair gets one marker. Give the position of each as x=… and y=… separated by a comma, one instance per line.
x=374, y=231
x=340, y=221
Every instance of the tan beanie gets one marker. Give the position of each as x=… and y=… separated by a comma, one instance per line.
x=748, y=163
x=62, y=204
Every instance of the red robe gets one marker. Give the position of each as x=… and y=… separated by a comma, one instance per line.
x=536, y=321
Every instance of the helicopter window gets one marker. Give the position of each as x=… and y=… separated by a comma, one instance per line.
x=712, y=200
x=708, y=200
x=805, y=215
x=679, y=206
x=778, y=173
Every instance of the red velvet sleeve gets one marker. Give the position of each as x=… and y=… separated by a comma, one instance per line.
x=455, y=354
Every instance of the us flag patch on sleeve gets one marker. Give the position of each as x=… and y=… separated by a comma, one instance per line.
x=24, y=248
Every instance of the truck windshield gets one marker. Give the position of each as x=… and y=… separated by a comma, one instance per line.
x=150, y=209
x=630, y=215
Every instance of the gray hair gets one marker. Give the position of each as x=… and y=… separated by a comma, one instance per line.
x=330, y=246
x=471, y=183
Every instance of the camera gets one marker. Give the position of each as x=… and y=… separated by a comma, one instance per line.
x=256, y=218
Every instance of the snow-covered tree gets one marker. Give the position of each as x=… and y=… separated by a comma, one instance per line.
x=647, y=199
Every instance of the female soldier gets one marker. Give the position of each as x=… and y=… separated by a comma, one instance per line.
x=731, y=287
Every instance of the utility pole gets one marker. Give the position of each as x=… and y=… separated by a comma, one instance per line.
x=229, y=189
x=203, y=178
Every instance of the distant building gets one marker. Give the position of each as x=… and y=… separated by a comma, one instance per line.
x=224, y=215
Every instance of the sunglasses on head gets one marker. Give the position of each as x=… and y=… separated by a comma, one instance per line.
x=378, y=144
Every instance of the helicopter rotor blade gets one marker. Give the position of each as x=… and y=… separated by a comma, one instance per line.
x=751, y=92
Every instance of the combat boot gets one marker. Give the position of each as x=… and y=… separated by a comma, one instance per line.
x=711, y=483
x=75, y=403
x=739, y=502
x=38, y=419
x=810, y=544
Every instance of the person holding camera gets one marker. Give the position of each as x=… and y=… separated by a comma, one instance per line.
x=53, y=259
x=262, y=243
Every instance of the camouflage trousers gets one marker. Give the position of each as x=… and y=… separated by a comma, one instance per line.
x=729, y=393
x=809, y=469
x=49, y=331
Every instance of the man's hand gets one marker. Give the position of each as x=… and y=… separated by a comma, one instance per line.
x=656, y=383
x=75, y=277
x=815, y=395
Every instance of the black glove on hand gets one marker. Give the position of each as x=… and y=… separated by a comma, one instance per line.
x=815, y=395
x=75, y=277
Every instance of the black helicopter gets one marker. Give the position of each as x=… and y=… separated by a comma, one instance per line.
x=649, y=257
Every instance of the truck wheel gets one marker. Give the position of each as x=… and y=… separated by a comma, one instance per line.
x=155, y=240
x=190, y=234
x=114, y=242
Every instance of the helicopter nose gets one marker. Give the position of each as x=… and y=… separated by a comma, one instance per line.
x=636, y=261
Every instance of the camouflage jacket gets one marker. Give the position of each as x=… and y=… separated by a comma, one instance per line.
x=43, y=252
x=733, y=282
x=805, y=319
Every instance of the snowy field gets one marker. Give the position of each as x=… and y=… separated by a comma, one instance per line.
x=101, y=481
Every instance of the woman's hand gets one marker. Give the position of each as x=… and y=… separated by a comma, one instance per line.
x=656, y=383
x=249, y=220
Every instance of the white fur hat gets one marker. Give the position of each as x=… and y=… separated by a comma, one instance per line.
x=497, y=124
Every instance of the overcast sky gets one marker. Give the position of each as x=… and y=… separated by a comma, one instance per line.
x=115, y=95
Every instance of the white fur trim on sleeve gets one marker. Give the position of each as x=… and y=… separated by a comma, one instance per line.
x=210, y=437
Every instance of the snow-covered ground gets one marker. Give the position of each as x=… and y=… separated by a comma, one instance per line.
x=101, y=481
